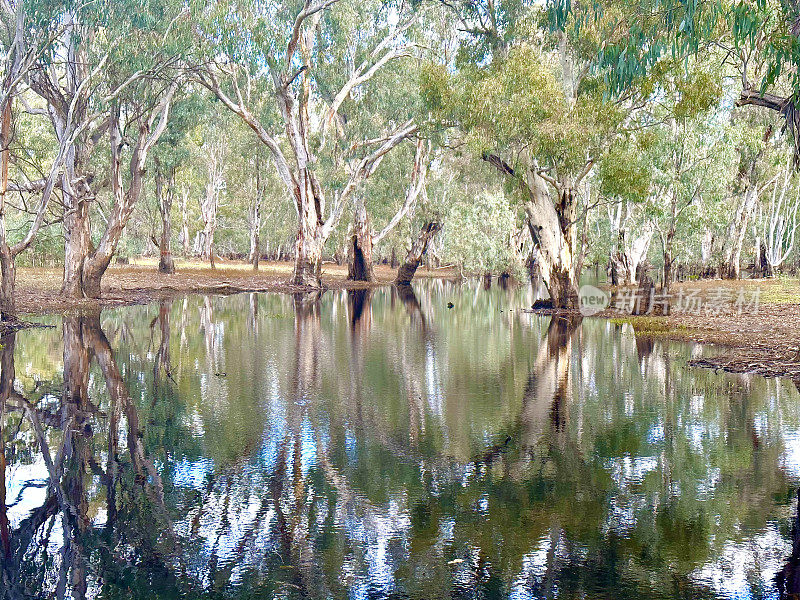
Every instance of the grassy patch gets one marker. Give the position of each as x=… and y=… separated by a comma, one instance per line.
x=653, y=326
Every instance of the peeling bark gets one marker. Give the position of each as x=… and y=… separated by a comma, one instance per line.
x=552, y=222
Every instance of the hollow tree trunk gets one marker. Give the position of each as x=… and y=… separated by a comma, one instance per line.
x=166, y=264
x=360, y=266
x=414, y=257
x=764, y=266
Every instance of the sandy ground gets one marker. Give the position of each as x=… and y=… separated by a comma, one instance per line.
x=140, y=282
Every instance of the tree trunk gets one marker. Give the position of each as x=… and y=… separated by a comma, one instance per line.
x=414, y=257
x=360, y=266
x=7, y=267
x=166, y=264
x=736, y=234
x=308, y=259
x=553, y=231
x=77, y=245
x=255, y=220
x=764, y=267
x=184, y=208
x=208, y=211
x=8, y=274
x=255, y=249
x=310, y=242
x=563, y=291
x=668, y=264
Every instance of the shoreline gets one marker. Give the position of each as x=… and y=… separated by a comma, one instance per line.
x=38, y=289
x=765, y=341
x=762, y=339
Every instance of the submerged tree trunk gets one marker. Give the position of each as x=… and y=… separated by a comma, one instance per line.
x=308, y=255
x=360, y=265
x=414, y=257
x=552, y=221
x=166, y=264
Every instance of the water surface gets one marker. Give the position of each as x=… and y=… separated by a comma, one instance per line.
x=379, y=444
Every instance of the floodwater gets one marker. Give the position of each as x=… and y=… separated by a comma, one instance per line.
x=378, y=444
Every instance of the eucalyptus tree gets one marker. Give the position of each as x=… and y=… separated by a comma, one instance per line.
x=530, y=107
x=115, y=71
x=757, y=38
x=214, y=150
x=625, y=182
x=748, y=185
x=170, y=154
x=297, y=51
x=363, y=238
x=27, y=34
x=779, y=219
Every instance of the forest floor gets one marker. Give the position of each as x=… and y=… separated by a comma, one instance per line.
x=755, y=323
x=140, y=282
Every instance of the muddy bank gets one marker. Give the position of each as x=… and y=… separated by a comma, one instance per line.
x=759, y=335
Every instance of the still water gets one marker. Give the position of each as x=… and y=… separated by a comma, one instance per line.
x=379, y=444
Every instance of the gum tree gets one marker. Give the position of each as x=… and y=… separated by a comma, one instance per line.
x=289, y=58
x=532, y=110
x=122, y=100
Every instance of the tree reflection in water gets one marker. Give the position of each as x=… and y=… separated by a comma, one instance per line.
x=373, y=443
